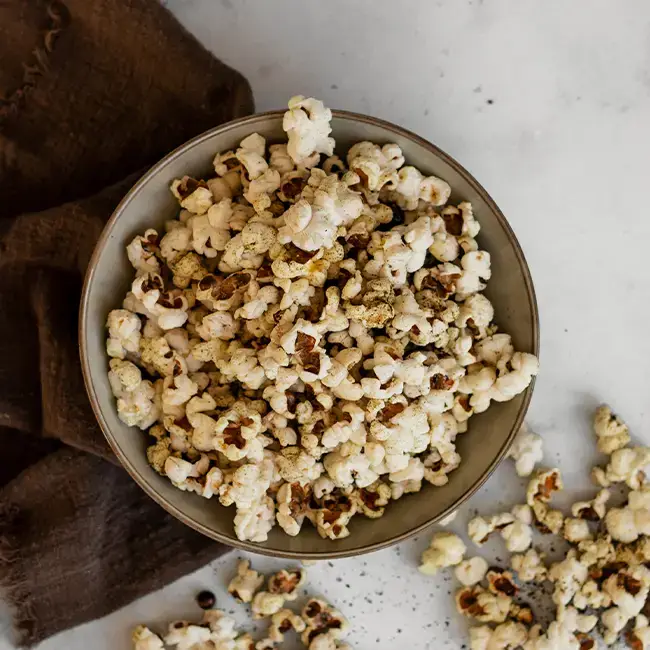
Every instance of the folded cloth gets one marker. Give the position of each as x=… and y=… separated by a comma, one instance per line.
x=90, y=94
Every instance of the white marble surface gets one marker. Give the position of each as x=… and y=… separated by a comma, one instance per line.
x=548, y=105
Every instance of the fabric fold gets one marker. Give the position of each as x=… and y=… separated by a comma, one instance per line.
x=91, y=94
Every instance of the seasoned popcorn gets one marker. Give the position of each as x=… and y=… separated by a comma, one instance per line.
x=318, y=624
x=483, y=605
x=246, y=583
x=144, y=639
x=185, y=636
x=287, y=583
x=504, y=636
x=266, y=604
x=282, y=622
x=518, y=535
x=308, y=337
x=321, y=619
x=529, y=566
x=526, y=451
x=600, y=586
x=479, y=528
x=446, y=549
x=611, y=432
x=625, y=465
x=471, y=572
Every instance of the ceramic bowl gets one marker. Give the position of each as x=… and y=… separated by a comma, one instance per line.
x=150, y=203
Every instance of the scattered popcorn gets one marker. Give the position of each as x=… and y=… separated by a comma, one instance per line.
x=144, y=639
x=282, y=622
x=320, y=626
x=625, y=466
x=287, y=583
x=543, y=485
x=483, y=605
x=611, y=432
x=314, y=335
x=246, y=583
x=471, y=572
x=602, y=584
x=322, y=619
x=184, y=636
x=505, y=636
x=526, y=451
x=632, y=521
x=530, y=566
x=479, y=528
x=446, y=549
x=266, y=604
x=518, y=535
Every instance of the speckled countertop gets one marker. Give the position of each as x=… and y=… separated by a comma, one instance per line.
x=548, y=105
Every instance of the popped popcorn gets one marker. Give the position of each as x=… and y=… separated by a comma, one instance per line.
x=246, y=583
x=518, y=535
x=605, y=571
x=483, y=605
x=282, y=622
x=266, y=604
x=144, y=639
x=472, y=571
x=526, y=451
x=529, y=566
x=446, y=549
x=314, y=336
x=322, y=619
x=136, y=404
x=625, y=465
x=611, y=432
x=307, y=123
x=504, y=636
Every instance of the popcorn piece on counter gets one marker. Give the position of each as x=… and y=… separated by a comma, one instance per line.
x=185, y=636
x=605, y=570
x=529, y=566
x=505, y=636
x=321, y=619
x=543, y=485
x=282, y=622
x=472, y=571
x=625, y=466
x=479, y=528
x=526, y=451
x=246, y=583
x=446, y=550
x=486, y=607
x=144, y=639
x=287, y=582
x=266, y=604
x=612, y=433
x=518, y=535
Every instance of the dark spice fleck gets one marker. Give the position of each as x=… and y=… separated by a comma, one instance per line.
x=206, y=600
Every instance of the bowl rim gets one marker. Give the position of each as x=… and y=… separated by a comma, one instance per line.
x=143, y=482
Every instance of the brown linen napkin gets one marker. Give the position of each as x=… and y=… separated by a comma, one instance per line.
x=90, y=94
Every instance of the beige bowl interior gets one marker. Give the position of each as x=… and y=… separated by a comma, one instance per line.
x=150, y=203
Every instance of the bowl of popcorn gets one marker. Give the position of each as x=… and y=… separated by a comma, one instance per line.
x=289, y=322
